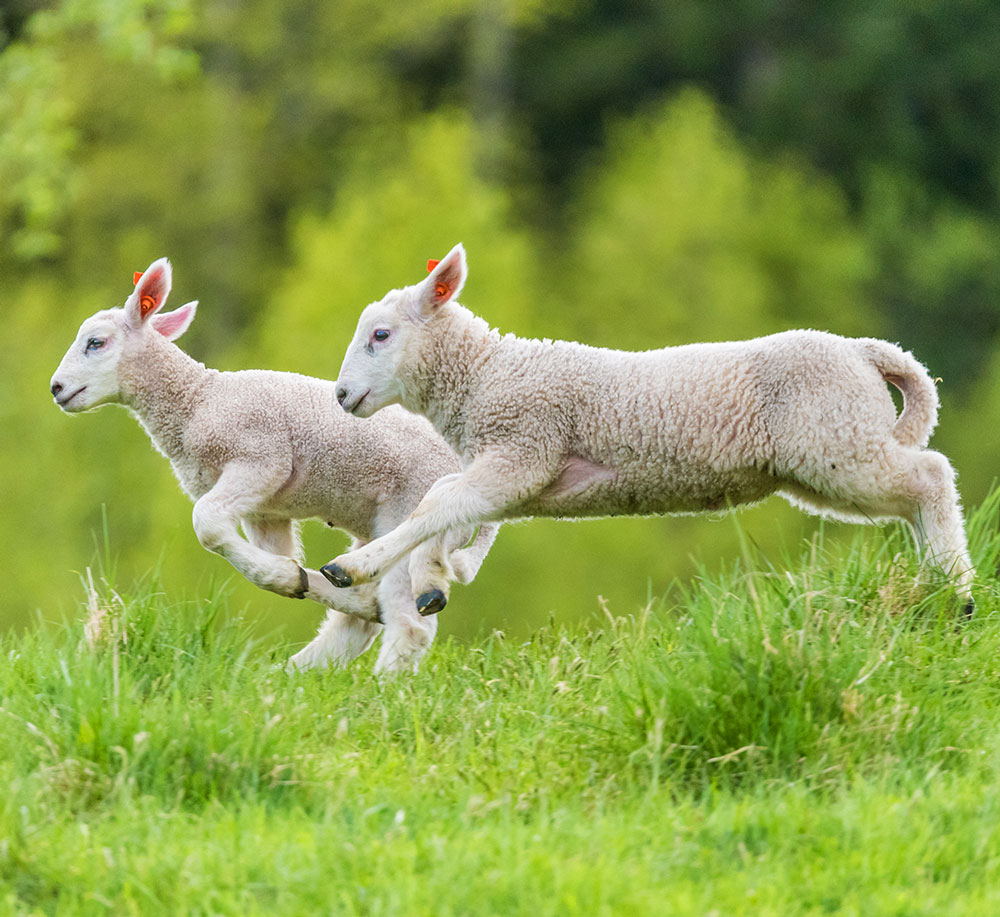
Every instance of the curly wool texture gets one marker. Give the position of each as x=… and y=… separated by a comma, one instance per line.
x=682, y=429
x=556, y=428
x=259, y=450
x=333, y=467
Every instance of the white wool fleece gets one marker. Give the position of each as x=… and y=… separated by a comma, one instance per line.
x=259, y=450
x=555, y=428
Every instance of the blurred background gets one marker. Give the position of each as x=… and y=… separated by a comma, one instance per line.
x=626, y=174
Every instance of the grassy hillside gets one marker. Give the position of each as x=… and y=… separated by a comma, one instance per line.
x=800, y=735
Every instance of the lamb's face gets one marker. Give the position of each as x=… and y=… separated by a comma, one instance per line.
x=391, y=336
x=369, y=376
x=90, y=373
x=87, y=377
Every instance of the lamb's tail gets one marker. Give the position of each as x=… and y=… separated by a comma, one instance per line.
x=920, y=397
x=467, y=561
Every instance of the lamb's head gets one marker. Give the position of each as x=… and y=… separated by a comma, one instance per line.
x=89, y=374
x=391, y=336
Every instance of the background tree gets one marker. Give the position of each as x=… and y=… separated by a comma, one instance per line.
x=625, y=174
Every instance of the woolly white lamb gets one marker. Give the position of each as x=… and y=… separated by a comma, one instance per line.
x=551, y=428
x=263, y=449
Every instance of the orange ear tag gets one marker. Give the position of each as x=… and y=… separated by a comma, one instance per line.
x=146, y=303
x=441, y=290
x=431, y=264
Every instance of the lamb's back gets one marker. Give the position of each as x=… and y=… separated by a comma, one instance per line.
x=682, y=427
x=338, y=467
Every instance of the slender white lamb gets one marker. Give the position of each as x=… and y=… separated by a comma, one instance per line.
x=262, y=450
x=551, y=428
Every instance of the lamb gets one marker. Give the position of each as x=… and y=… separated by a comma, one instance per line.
x=263, y=450
x=553, y=428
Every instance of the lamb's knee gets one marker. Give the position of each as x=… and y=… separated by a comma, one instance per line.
x=430, y=561
x=468, y=551
x=404, y=644
x=416, y=633
x=931, y=487
x=212, y=529
x=934, y=474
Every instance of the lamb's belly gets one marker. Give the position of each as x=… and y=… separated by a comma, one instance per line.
x=351, y=515
x=674, y=491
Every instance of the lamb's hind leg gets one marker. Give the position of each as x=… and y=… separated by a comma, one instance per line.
x=936, y=520
x=905, y=483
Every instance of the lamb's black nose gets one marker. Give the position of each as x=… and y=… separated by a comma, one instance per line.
x=341, y=395
x=56, y=389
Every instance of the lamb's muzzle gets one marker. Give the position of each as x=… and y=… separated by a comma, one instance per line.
x=63, y=402
x=351, y=405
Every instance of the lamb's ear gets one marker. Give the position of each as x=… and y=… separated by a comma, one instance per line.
x=443, y=283
x=173, y=324
x=150, y=293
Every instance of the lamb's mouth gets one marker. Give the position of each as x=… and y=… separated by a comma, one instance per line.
x=62, y=402
x=354, y=405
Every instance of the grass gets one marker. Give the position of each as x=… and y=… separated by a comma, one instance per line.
x=814, y=736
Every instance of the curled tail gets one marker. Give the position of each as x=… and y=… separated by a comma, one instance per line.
x=920, y=397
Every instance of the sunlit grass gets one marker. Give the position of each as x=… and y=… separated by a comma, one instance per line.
x=807, y=734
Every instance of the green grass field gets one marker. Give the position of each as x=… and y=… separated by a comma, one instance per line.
x=812, y=734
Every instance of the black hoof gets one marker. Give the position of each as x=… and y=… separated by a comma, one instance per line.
x=335, y=575
x=430, y=603
x=303, y=585
x=969, y=609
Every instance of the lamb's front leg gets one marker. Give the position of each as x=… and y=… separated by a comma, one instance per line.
x=491, y=485
x=240, y=491
x=456, y=555
x=407, y=636
x=281, y=536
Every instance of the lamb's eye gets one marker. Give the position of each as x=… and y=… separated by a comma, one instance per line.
x=94, y=344
x=381, y=334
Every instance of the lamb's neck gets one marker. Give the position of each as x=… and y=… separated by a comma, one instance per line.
x=163, y=386
x=447, y=376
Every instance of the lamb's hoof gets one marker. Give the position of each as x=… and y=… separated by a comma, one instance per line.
x=336, y=575
x=303, y=585
x=969, y=609
x=430, y=603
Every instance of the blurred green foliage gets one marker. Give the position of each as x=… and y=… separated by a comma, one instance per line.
x=684, y=229
x=625, y=174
